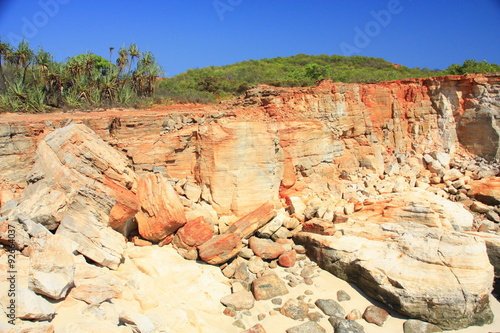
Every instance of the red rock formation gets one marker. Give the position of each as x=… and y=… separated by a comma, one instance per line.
x=193, y=233
x=161, y=211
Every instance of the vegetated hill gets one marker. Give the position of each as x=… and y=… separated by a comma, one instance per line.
x=212, y=83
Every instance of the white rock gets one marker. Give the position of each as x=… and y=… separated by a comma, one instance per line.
x=142, y=322
x=297, y=206
x=452, y=175
x=192, y=191
x=28, y=304
x=97, y=242
x=272, y=226
x=442, y=158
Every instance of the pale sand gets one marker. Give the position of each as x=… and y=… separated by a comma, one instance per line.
x=326, y=286
x=193, y=292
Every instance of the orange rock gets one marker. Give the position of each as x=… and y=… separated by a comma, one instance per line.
x=140, y=242
x=167, y=240
x=220, y=248
x=287, y=259
x=193, y=233
x=248, y=224
x=162, y=212
x=289, y=178
x=265, y=248
x=486, y=190
x=319, y=226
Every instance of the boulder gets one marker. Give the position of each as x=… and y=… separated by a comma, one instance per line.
x=192, y=191
x=76, y=172
x=295, y=309
x=162, y=212
x=193, y=234
x=220, y=248
x=452, y=175
x=287, y=259
x=265, y=248
x=492, y=242
x=250, y=223
x=479, y=207
x=331, y=308
x=297, y=206
x=319, y=226
x=28, y=305
x=140, y=322
x=242, y=300
x=270, y=228
x=268, y=286
x=486, y=190
x=52, y=269
x=430, y=274
x=93, y=294
x=99, y=243
x=13, y=235
x=375, y=315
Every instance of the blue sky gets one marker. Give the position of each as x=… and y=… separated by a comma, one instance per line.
x=187, y=34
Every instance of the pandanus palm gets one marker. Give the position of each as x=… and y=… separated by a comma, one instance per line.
x=122, y=60
x=5, y=50
x=22, y=57
x=133, y=52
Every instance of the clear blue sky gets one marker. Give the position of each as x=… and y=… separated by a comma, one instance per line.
x=187, y=34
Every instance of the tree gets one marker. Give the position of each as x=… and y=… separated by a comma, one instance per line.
x=122, y=60
x=472, y=66
x=133, y=52
x=5, y=50
x=22, y=56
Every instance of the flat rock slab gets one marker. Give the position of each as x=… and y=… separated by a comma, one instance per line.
x=29, y=305
x=408, y=266
x=250, y=223
x=220, y=248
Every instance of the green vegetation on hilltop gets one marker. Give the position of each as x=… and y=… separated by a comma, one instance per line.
x=207, y=84
x=214, y=83
x=32, y=82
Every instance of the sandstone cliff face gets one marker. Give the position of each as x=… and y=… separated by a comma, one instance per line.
x=328, y=128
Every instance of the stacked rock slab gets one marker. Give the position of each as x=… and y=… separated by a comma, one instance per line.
x=82, y=183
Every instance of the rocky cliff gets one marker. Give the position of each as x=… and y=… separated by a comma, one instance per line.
x=261, y=137
x=390, y=186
